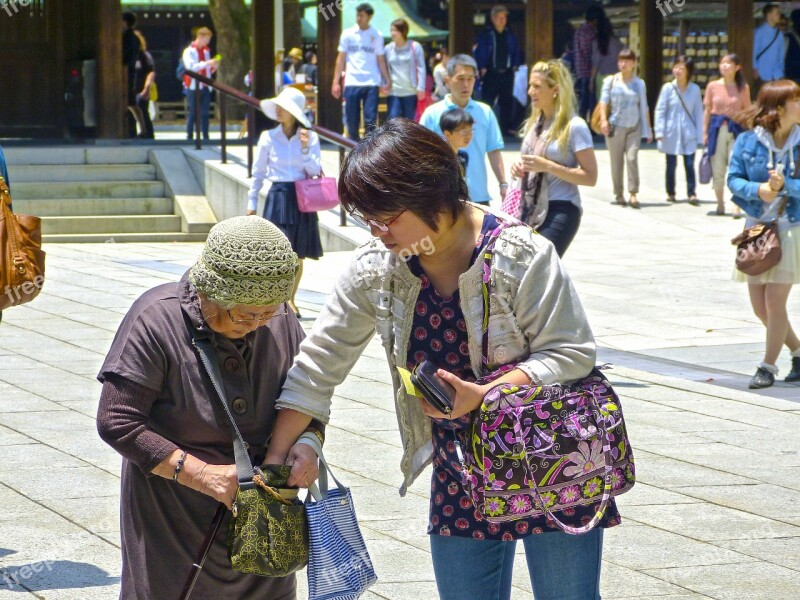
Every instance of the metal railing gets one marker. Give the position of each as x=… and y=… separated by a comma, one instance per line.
x=253, y=104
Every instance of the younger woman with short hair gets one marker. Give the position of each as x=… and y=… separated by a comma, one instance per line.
x=557, y=154
x=679, y=124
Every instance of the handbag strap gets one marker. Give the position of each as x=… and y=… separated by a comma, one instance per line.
x=244, y=468
x=538, y=178
x=678, y=93
x=17, y=257
x=320, y=492
x=488, y=253
x=605, y=500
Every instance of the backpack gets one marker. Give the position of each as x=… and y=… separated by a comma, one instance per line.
x=180, y=71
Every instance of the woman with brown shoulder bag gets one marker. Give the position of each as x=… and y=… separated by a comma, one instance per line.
x=765, y=181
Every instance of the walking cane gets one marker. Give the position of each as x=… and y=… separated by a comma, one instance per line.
x=201, y=558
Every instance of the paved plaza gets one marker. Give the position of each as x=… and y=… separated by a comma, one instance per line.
x=716, y=509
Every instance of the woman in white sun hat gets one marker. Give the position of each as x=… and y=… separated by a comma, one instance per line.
x=288, y=153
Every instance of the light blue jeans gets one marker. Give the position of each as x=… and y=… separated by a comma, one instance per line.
x=561, y=566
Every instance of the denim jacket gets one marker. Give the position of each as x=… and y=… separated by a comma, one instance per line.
x=535, y=318
x=754, y=155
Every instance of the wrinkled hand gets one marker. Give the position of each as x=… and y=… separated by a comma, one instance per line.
x=535, y=164
x=766, y=193
x=303, y=461
x=517, y=170
x=220, y=482
x=776, y=181
x=304, y=137
x=469, y=397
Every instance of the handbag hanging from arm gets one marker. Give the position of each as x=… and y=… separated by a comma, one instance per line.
x=540, y=449
x=339, y=566
x=268, y=534
x=597, y=114
x=317, y=193
x=21, y=255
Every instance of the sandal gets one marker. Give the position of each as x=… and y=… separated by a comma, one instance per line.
x=634, y=202
x=619, y=202
x=694, y=201
x=671, y=199
x=720, y=212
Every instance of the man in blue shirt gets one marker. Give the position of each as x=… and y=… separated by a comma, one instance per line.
x=768, y=51
x=486, y=139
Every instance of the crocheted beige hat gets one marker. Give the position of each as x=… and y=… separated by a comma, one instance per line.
x=246, y=260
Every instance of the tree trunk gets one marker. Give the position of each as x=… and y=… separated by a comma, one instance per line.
x=292, y=27
x=232, y=25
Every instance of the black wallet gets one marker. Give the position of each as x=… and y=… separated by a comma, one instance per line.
x=439, y=394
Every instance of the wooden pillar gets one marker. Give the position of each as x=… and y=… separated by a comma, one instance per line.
x=538, y=31
x=263, y=53
x=262, y=59
x=651, y=46
x=462, y=30
x=111, y=96
x=292, y=25
x=740, y=33
x=329, y=29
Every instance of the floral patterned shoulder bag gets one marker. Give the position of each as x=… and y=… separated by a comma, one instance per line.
x=539, y=449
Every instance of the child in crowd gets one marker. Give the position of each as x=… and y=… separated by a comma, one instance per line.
x=456, y=125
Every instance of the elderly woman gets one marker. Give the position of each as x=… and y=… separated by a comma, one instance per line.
x=158, y=408
x=419, y=284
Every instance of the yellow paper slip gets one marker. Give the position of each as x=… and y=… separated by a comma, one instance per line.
x=405, y=377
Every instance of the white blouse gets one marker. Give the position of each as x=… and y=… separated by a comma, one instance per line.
x=281, y=159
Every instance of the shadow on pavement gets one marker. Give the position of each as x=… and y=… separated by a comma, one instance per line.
x=52, y=575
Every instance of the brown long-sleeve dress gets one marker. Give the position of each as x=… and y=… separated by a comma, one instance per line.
x=156, y=398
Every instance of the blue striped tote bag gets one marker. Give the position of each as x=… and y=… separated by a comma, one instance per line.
x=339, y=567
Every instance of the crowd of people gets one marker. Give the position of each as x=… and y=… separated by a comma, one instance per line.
x=419, y=182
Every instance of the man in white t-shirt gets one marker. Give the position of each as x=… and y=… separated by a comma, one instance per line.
x=361, y=50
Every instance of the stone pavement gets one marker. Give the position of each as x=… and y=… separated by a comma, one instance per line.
x=715, y=512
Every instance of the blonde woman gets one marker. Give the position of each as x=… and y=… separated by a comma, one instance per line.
x=557, y=153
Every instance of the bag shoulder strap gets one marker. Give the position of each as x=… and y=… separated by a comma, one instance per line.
x=244, y=468
x=678, y=93
x=488, y=255
x=777, y=33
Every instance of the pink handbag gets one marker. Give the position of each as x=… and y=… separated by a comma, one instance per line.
x=316, y=193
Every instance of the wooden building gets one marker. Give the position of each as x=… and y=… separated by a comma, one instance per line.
x=45, y=47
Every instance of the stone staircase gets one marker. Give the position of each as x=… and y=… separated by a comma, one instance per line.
x=98, y=194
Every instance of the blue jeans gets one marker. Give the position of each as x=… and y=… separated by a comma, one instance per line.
x=561, y=566
x=354, y=96
x=561, y=224
x=688, y=165
x=402, y=106
x=205, y=109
